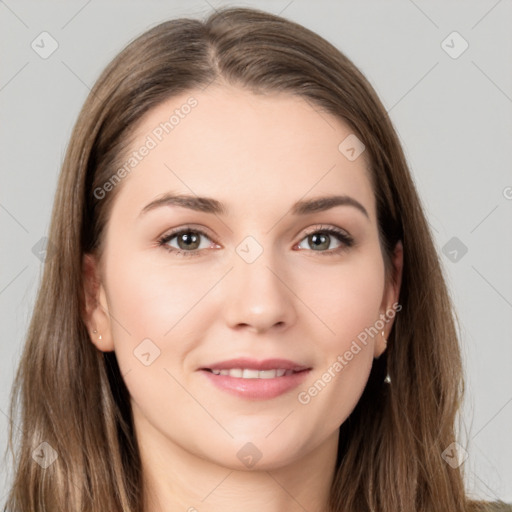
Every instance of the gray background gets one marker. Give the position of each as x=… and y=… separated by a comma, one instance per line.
x=454, y=120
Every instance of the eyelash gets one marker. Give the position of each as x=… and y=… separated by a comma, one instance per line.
x=342, y=237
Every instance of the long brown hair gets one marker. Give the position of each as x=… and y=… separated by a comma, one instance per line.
x=73, y=397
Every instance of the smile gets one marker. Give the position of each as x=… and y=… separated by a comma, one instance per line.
x=248, y=373
x=251, y=384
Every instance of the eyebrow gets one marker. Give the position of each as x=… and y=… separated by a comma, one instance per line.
x=325, y=203
x=210, y=205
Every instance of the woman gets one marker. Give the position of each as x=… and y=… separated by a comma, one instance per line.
x=245, y=309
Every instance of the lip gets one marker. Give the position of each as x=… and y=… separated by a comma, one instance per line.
x=254, y=364
x=256, y=389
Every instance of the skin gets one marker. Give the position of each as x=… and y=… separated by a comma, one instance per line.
x=257, y=155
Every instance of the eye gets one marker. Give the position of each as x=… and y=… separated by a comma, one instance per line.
x=321, y=240
x=189, y=241
x=185, y=241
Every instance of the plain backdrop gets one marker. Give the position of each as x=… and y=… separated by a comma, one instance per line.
x=451, y=105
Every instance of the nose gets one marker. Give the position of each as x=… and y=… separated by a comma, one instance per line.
x=258, y=296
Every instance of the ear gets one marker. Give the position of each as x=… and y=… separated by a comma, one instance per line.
x=96, y=314
x=390, y=298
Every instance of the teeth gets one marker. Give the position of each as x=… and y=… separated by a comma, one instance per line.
x=246, y=373
x=250, y=374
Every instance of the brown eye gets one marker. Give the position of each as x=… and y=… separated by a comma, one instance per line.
x=188, y=240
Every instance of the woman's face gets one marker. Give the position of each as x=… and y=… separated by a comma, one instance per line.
x=224, y=242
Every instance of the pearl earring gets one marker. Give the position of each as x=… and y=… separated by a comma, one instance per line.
x=94, y=332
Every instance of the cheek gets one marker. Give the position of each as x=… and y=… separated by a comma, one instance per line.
x=150, y=299
x=346, y=298
x=154, y=327
x=155, y=302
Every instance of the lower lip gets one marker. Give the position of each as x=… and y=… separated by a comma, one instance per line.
x=257, y=389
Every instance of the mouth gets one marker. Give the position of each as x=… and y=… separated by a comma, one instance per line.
x=256, y=380
x=248, y=373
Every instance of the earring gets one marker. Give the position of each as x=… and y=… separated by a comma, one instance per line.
x=94, y=332
x=387, y=380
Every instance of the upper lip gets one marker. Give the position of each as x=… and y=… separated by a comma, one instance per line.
x=254, y=364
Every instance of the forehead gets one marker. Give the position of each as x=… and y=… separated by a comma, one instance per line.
x=237, y=146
